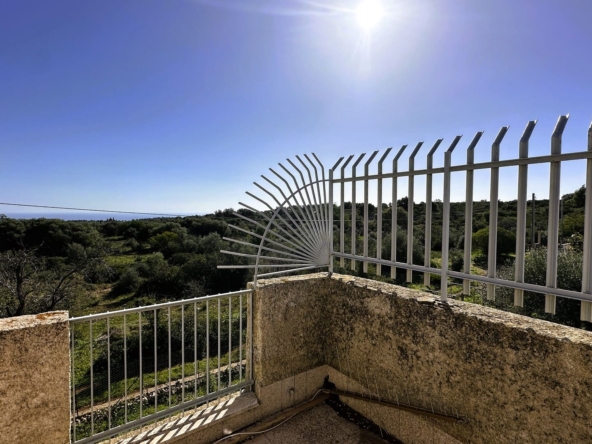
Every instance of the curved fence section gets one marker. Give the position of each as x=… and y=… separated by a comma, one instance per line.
x=304, y=228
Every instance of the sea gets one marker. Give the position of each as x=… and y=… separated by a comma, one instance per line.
x=85, y=216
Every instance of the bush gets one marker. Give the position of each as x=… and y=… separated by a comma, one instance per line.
x=506, y=241
x=129, y=282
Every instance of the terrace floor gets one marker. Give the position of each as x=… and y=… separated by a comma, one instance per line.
x=320, y=425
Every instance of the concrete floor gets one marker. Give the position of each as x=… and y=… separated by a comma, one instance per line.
x=321, y=425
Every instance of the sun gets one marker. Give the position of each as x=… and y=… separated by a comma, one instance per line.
x=369, y=14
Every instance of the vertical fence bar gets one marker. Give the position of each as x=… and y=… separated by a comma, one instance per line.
x=125, y=368
x=183, y=352
x=342, y=214
x=219, y=343
x=330, y=210
x=250, y=334
x=366, y=215
x=195, y=369
x=170, y=351
x=73, y=364
x=141, y=375
x=240, y=339
x=469, y=213
x=92, y=384
x=553, y=226
x=229, y=341
x=410, y=205
x=109, y=372
x=155, y=361
x=379, y=213
x=207, y=347
x=446, y=220
x=521, y=214
x=428, y=212
x=354, y=212
x=493, y=208
x=394, y=211
x=586, y=307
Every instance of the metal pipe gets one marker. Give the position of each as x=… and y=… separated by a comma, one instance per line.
x=331, y=215
x=521, y=214
x=586, y=307
x=410, y=205
x=95, y=317
x=342, y=211
x=446, y=220
x=493, y=208
x=469, y=213
x=379, y=213
x=354, y=211
x=394, y=211
x=553, y=226
x=428, y=212
x=366, y=216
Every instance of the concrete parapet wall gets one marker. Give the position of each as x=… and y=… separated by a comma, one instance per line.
x=515, y=379
x=35, y=379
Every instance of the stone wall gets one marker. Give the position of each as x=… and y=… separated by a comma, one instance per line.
x=34, y=379
x=515, y=379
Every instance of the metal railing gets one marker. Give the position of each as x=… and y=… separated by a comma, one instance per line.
x=298, y=228
x=139, y=365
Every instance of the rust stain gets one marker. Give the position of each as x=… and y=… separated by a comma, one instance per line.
x=44, y=316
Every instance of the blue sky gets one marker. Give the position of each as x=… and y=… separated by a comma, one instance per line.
x=177, y=106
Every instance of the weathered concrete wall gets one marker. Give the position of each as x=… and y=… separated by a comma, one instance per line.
x=516, y=379
x=34, y=379
x=290, y=329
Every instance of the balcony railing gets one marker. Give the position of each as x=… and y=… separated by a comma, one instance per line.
x=140, y=365
x=296, y=231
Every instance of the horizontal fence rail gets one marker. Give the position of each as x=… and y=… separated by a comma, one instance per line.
x=300, y=226
x=139, y=365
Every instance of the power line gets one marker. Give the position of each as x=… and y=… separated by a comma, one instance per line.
x=89, y=209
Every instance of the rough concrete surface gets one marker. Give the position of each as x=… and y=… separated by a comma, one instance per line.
x=515, y=379
x=34, y=379
x=321, y=425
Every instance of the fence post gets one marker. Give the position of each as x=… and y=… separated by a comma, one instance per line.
x=366, y=217
x=553, y=226
x=446, y=220
x=354, y=211
x=394, y=211
x=428, y=213
x=493, y=208
x=410, y=211
x=379, y=214
x=521, y=214
x=586, y=307
x=342, y=213
x=330, y=211
x=469, y=213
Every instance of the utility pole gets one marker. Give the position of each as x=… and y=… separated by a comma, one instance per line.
x=532, y=230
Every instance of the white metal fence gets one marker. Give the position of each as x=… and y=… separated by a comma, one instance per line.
x=140, y=365
x=296, y=232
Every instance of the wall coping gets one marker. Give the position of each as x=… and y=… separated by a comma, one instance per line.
x=32, y=321
x=488, y=314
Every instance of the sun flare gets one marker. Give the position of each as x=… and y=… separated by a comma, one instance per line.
x=369, y=14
